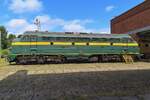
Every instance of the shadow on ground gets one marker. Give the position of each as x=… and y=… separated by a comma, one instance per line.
x=74, y=86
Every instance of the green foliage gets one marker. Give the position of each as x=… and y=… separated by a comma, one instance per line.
x=11, y=37
x=3, y=37
x=5, y=52
x=0, y=51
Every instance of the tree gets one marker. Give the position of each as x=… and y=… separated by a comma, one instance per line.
x=11, y=37
x=4, y=37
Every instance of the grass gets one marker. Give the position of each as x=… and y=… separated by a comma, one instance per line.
x=2, y=62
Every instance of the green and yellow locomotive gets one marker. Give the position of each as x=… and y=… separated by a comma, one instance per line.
x=43, y=47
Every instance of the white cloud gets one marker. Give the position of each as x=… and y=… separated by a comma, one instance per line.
x=104, y=30
x=74, y=28
x=76, y=25
x=19, y=25
x=109, y=8
x=21, y=6
x=45, y=19
x=52, y=24
x=66, y=25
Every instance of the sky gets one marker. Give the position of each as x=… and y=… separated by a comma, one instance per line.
x=62, y=15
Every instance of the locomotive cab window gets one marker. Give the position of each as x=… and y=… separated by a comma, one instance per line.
x=19, y=36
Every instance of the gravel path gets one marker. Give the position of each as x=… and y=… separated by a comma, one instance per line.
x=91, y=81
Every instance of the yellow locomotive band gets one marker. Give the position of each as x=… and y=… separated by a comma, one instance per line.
x=73, y=43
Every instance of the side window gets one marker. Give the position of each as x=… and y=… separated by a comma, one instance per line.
x=124, y=40
x=61, y=39
x=25, y=38
x=85, y=39
x=45, y=38
x=48, y=38
x=94, y=39
x=116, y=40
x=33, y=38
x=104, y=40
x=127, y=40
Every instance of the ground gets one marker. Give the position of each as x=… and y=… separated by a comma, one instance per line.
x=75, y=81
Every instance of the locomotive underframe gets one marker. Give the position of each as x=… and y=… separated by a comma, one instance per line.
x=41, y=59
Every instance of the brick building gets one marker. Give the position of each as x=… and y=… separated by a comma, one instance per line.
x=135, y=20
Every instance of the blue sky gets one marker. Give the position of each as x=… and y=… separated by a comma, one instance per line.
x=62, y=15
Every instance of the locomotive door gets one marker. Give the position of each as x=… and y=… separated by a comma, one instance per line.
x=33, y=44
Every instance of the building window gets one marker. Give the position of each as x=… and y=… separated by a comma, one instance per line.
x=146, y=45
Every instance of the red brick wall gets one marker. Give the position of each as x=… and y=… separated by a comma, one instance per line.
x=136, y=18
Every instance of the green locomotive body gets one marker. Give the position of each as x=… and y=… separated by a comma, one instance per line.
x=46, y=46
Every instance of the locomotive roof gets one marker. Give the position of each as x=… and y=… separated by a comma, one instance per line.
x=77, y=34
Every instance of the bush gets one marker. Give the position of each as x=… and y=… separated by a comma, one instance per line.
x=4, y=52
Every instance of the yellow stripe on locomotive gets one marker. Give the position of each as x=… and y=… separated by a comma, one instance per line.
x=73, y=43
